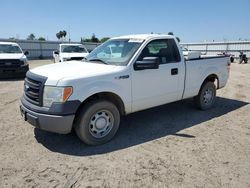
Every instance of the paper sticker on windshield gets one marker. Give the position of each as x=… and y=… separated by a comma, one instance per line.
x=136, y=40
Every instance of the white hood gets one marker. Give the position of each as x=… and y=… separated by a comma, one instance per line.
x=72, y=69
x=12, y=56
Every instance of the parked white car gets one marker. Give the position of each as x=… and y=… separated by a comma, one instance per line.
x=111, y=52
x=90, y=96
x=69, y=52
x=13, y=61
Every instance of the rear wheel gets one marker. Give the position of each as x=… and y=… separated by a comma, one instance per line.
x=97, y=122
x=231, y=59
x=206, y=97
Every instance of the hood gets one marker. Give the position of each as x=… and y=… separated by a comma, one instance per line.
x=12, y=56
x=72, y=69
x=69, y=55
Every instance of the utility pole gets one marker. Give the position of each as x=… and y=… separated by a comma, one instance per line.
x=69, y=35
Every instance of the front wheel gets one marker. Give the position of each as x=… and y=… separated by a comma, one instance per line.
x=97, y=122
x=206, y=97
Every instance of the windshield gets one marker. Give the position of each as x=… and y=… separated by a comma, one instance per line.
x=9, y=49
x=115, y=52
x=73, y=49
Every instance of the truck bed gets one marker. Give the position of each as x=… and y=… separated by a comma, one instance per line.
x=198, y=69
x=208, y=57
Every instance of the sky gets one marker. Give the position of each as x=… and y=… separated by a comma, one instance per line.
x=190, y=20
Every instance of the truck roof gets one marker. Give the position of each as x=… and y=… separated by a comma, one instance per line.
x=9, y=43
x=144, y=36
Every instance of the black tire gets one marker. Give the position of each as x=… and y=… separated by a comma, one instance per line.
x=206, y=97
x=92, y=117
x=231, y=59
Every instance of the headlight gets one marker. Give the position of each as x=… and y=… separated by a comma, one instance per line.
x=25, y=62
x=55, y=94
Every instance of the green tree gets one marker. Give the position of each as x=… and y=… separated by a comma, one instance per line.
x=64, y=33
x=86, y=40
x=41, y=39
x=61, y=34
x=31, y=37
x=94, y=38
x=58, y=35
x=104, y=39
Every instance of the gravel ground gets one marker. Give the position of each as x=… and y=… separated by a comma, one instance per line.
x=170, y=146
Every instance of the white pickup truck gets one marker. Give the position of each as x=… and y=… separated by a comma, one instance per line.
x=13, y=61
x=90, y=96
x=69, y=52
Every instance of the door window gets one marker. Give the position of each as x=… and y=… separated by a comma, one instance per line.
x=166, y=50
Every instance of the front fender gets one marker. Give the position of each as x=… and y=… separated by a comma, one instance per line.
x=120, y=88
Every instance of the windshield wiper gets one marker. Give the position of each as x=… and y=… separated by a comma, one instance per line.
x=96, y=59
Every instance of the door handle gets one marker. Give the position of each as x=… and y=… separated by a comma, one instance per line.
x=174, y=71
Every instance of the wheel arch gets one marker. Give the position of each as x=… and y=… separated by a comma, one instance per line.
x=109, y=96
x=211, y=78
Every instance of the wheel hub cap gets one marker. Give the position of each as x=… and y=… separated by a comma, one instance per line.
x=101, y=123
x=208, y=96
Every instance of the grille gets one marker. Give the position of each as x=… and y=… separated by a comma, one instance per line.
x=76, y=58
x=33, y=88
x=10, y=63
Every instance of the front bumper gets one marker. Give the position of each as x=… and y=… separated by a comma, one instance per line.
x=52, y=123
x=6, y=72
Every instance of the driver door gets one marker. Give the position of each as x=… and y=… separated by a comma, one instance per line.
x=153, y=87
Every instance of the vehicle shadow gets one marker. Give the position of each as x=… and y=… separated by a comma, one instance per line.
x=12, y=79
x=142, y=127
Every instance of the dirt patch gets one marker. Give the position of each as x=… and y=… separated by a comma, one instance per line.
x=170, y=146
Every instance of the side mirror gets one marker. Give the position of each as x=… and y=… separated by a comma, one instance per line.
x=26, y=53
x=147, y=63
x=56, y=52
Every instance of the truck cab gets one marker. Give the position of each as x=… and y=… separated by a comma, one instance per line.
x=13, y=61
x=91, y=96
x=69, y=52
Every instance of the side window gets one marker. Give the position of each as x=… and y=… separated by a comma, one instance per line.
x=166, y=50
x=175, y=51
